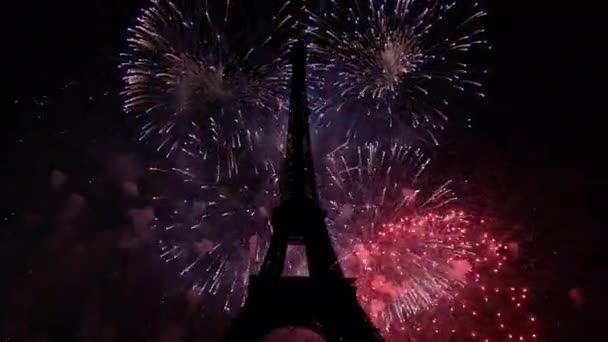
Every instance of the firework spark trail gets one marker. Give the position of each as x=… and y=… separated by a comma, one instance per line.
x=213, y=231
x=371, y=184
x=374, y=178
x=394, y=59
x=193, y=87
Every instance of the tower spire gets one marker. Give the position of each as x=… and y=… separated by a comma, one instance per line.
x=297, y=174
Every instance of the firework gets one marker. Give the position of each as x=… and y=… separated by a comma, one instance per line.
x=425, y=270
x=214, y=231
x=370, y=186
x=440, y=276
x=375, y=177
x=395, y=59
x=198, y=86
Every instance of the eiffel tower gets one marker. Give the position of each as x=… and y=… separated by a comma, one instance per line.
x=325, y=301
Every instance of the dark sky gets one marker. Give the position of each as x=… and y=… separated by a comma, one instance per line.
x=536, y=146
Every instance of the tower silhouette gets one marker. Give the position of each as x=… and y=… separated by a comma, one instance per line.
x=325, y=301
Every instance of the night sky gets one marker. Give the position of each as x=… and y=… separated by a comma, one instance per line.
x=534, y=150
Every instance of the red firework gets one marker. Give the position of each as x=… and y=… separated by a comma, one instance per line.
x=441, y=276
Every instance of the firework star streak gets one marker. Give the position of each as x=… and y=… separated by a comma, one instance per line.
x=214, y=233
x=397, y=59
x=197, y=84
